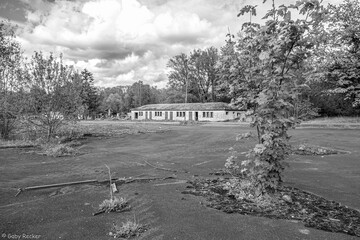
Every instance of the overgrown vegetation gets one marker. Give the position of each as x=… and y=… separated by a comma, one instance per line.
x=287, y=203
x=268, y=69
x=59, y=149
x=272, y=59
x=128, y=229
x=10, y=79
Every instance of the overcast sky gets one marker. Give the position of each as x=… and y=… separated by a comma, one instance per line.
x=123, y=41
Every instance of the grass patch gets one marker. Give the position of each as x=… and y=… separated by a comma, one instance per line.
x=334, y=120
x=128, y=229
x=114, y=205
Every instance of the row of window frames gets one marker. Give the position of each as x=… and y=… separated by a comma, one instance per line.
x=156, y=113
x=205, y=114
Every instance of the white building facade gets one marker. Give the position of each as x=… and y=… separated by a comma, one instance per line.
x=212, y=112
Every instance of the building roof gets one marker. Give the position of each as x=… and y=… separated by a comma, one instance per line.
x=211, y=106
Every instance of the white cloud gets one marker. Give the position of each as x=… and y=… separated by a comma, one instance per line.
x=125, y=41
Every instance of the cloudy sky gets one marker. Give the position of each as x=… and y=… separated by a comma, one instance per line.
x=123, y=41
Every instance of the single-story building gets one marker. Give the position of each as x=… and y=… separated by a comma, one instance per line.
x=213, y=111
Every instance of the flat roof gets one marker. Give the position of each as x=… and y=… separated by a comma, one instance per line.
x=210, y=106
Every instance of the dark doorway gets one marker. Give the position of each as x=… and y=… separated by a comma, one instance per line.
x=196, y=116
x=136, y=115
x=150, y=115
x=146, y=115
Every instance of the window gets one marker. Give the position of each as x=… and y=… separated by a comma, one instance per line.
x=158, y=114
x=180, y=114
x=208, y=114
x=141, y=114
x=227, y=113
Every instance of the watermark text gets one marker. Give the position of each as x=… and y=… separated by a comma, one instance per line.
x=20, y=236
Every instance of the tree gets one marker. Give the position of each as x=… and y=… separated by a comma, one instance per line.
x=88, y=94
x=203, y=73
x=194, y=75
x=271, y=58
x=115, y=103
x=229, y=70
x=53, y=98
x=179, y=76
x=10, y=79
x=339, y=62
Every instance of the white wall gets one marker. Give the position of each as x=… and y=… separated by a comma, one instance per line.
x=156, y=118
x=217, y=115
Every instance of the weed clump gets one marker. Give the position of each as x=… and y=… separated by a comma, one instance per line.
x=58, y=150
x=114, y=205
x=127, y=230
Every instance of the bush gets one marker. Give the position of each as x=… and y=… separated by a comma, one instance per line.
x=58, y=150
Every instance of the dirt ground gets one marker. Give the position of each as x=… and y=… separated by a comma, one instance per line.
x=192, y=152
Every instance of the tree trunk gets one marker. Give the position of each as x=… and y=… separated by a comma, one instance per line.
x=50, y=132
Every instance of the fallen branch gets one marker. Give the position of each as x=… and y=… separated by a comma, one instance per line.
x=99, y=212
x=130, y=180
x=54, y=185
x=197, y=164
x=20, y=146
x=160, y=168
x=114, y=180
x=171, y=183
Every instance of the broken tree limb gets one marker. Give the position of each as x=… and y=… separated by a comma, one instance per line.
x=114, y=180
x=99, y=212
x=172, y=183
x=197, y=164
x=59, y=185
x=160, y=168
x=20, y=146
x=111, y=190
x=130, y=180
